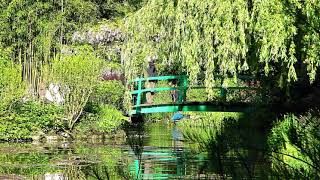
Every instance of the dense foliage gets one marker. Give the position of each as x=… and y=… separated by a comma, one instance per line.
x=77, y=74
x=295, y=142
x=290, y=148
x=102, y=111
x=34, y=32
x=11, y=85
x=108, y=92
x=276, y=38
x=30, y=119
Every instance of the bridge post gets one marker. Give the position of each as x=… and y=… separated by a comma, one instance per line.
x=138, y=102
x=223, y=91
x=223, y=94
x=183, y=87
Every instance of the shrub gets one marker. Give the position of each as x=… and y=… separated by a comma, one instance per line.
x=105, y=120
x=77, y=74
x=108, y=92
x=27, y=119
x=295, y=142
x=109, y=119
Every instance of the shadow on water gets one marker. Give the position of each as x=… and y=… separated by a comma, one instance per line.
x=135, y=139
x=241, y=149
x=234, y=150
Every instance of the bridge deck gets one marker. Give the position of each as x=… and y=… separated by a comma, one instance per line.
x=191, y=106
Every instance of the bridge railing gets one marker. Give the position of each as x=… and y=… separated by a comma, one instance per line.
x=182, y=86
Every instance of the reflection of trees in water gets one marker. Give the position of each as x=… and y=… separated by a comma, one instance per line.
x=135, y=139
x=231, y=149
x=156, y=146
x=247, y=148
x=93, y=161
x=98, y=171
x=228, y=143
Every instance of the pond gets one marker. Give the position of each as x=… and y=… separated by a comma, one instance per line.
x=150, y=151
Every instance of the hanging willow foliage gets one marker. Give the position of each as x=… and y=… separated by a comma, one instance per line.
x=226, y=37
x=191, y=33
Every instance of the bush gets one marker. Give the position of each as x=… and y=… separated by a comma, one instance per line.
x=77, y=74
x=108, y=92
x=28, y=119
x=109, y=119
x=105, y=120
x=102, y=110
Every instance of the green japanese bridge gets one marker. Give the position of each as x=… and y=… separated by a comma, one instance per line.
x=141, y=107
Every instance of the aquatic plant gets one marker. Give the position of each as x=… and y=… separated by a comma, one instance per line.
x=295, y=143
x=204, y=128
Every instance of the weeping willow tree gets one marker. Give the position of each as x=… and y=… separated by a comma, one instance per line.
x=275, y=38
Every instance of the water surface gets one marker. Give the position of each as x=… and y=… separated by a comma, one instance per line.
x=153, y=151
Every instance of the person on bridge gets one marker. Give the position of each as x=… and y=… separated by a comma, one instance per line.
x=152, y=72
x=174, y=93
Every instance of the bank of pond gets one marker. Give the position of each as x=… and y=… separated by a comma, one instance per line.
x=205, y=146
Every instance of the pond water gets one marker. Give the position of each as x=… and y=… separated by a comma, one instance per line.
x=153, y=151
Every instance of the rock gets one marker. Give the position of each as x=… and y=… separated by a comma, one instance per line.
x=51, y=139
x=11, y=177
x=57, y=176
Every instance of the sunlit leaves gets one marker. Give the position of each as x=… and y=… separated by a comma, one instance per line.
x=209, y=34
x=216, y=37
x=76, y=74
x=274, y=31
x=11, y=86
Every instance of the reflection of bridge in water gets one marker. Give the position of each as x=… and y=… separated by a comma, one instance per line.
x=140, y=90
x=164, y=160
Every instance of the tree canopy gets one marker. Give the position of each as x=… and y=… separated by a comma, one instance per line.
x=34, y=32
x=275, y=38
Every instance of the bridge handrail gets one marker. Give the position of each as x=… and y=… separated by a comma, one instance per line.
x=158, y=78
x=163, y=78
x=194, y=87
x=183, y=85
